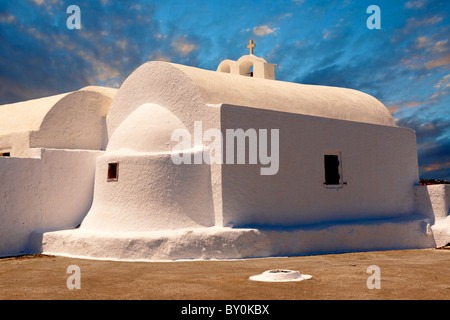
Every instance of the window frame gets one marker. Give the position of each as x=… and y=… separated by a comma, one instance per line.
x=341, y=182
x=114, y=178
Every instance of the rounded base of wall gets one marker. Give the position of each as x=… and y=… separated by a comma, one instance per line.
x=230, y=243
x=441, y=232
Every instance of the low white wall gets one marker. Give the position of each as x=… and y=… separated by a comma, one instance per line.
x=379, y=164
x=50, y=193
x=434, y=202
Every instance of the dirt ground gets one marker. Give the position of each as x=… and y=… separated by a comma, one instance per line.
x=405, y=274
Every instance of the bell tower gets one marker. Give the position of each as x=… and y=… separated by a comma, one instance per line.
x=249, y=66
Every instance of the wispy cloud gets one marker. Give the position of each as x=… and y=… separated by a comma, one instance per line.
x=435, y=166
x=416, y=4
x=442, y=87
x=443, y=83
x=7, y=18
x=264, y=30
x=38, y=2
x=412, y=25
x=182, y=46
x=442, y=61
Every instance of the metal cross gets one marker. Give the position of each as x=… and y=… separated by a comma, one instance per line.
x=251, y=46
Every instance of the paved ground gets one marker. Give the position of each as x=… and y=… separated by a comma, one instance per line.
x=407, y=274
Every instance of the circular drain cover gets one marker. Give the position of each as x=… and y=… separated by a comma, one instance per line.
x=279, y=275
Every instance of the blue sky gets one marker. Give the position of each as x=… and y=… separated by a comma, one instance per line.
x=405, y=64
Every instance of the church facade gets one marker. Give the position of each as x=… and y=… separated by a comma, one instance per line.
x=92, y=173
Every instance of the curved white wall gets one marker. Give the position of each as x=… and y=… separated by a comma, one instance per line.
x=77, y=121
x=151, y=193
x=186, y=91
x=26, y=115
x=320, y=101
x=159, y=83
x=147, y=129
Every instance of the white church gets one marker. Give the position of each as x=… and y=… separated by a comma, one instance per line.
x=91, y=173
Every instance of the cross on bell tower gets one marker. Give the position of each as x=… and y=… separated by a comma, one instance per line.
x=251, y=45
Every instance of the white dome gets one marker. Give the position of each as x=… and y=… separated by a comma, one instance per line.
x=147, y=129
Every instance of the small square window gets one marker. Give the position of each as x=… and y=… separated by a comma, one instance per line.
x=113, y=171
x=5, y=154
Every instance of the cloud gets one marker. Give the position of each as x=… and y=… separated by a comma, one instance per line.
x=413, y=23
x=434, y=160
x=122, y=44
x=264, y=30
x=433, y=143
x=394, y=108
x=444, y=82
x=432, y=46
x=431, y=134
x=51, y=7
x=423, y=48
x=7, y=18
x=46, y=2
x=443, y=87
x=423, y=41
x=400, y=105
x=100, y=70
x=183, y=47
x=413, y=104
x=441, y=46
x=442, y=61
x=41, y=57
x=436, y=166
x=38, y=2
x=159, y=56
x=417, y=4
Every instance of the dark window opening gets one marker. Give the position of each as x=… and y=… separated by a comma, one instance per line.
x=113, y=171
x=332, y=176
x=250, y=71
x=5, y=154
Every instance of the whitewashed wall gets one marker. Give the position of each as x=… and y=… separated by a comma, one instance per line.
x=379, y=164
x=433, y=201
x=151, y=193
x=47, y=193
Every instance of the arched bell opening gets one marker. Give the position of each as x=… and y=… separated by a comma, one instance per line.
x=246, y=68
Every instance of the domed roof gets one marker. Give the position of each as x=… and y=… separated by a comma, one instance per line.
x=187, y=92
x=69, y=121
x=30, y=115
x=322, y=101
x=148, y=129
